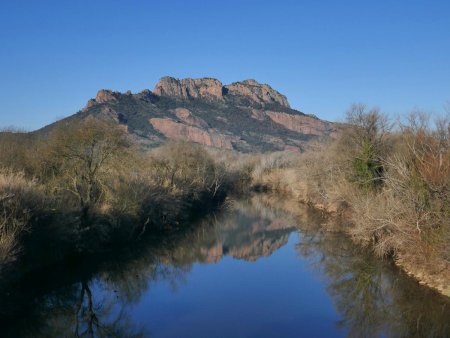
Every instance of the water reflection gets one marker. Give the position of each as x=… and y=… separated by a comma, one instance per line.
x=373, y=298
x=102, y=297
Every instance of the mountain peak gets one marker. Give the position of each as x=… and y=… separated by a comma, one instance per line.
x=212, y=89
x=251, y=82
x=205, y=88
x=259, y=93
x=106, y=95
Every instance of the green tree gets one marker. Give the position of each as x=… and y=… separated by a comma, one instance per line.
x=365, y=139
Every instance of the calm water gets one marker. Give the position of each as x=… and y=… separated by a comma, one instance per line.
x=248, y=271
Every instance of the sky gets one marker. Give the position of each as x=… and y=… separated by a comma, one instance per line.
x=323, y=55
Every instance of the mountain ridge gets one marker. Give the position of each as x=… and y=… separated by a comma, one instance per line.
x=245, y=115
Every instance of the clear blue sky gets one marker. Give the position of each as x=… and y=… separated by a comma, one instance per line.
x=323, y=55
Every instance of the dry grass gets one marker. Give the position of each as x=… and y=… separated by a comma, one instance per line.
x=314, y=178
x=19, y=197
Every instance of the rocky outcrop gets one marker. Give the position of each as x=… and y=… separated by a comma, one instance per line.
x=106, y=96
x=187, y=117
x=103, y=96
x=89, y=104
x=212, y=89
x=258, y=114
x=179, y=131
x=301, y=123
x=257, y=92
x=204, y=88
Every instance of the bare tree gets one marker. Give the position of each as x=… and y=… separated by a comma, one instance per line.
x=85, y=155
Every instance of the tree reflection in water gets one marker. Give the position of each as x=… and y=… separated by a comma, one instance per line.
x=372, y=297
x=94, y=301
x=91, y=318
x=75, y=311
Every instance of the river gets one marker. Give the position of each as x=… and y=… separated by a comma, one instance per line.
x=250, y=270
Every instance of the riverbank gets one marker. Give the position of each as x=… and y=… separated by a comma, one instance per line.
x=389, y=187
x=286, y=190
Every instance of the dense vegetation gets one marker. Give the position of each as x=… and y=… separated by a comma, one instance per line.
x=390, y=183
x=85, y=188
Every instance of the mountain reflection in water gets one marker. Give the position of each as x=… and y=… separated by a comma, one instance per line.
x=251, y=270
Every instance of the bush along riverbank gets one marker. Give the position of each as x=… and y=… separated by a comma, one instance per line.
x=88, y=190
x=388, y=186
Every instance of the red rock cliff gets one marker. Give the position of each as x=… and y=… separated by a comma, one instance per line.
x=257, y=92
x=212, y=89
x=205, y=88
x=182, y=132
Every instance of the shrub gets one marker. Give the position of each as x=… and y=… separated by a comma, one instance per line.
x=186, y=167
x=19, y=199
x=364, y=142
x=411, y=214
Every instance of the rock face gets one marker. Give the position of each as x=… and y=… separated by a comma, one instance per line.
x=303, y=124
x=205, y=88
x=212, y=89
x=106, y=96
x=103, y=96
x=182, y=132
x=258, y=114
x=259, y=93
x=187, y=117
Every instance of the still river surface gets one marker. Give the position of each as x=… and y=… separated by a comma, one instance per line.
x=251, y=270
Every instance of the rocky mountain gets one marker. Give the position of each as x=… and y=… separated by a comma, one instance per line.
x=245, y=116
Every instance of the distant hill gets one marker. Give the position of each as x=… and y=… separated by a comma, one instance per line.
x=245, y=116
